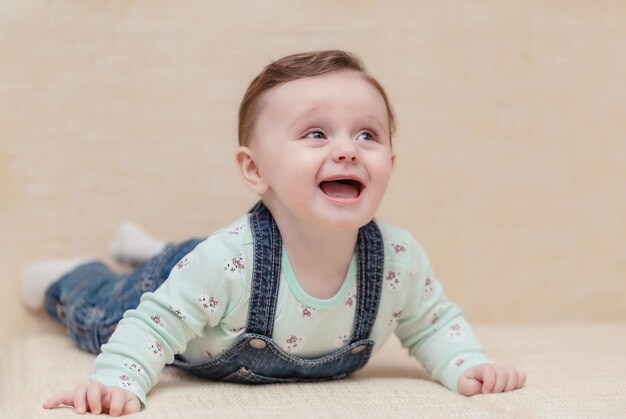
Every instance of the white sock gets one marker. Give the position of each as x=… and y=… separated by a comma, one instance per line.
x=39, y=276
x=131, y=245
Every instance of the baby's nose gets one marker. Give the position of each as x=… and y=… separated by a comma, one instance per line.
x=345, y=152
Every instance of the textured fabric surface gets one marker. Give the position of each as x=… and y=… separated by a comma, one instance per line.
x=574, y=370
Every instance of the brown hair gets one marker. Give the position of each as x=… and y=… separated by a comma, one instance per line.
x=299, y=66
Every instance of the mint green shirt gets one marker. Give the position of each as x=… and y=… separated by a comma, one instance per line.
x=202, y=308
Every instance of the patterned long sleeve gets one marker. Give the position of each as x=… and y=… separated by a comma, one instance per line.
x=433, y=329
x=195, y=295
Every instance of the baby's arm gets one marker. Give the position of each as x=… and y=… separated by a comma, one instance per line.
x=436, y=333
x=96, y=398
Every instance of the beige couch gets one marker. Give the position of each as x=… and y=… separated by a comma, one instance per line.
x=510, y=172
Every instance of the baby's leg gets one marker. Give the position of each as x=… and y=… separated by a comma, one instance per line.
x=90, y=300
x=83, y=298
x=132, y=245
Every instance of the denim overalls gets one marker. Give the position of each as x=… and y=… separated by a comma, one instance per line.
x=254, y=358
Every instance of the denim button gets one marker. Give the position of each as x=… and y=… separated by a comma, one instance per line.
x=358, y=349
x=258, y=343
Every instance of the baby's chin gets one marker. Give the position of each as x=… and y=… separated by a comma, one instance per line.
x=345, y=221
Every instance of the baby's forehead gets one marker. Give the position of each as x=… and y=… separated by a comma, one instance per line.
x=336, y=88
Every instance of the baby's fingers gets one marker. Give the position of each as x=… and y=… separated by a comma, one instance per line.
x=522, y=380
x=132, y=406
x=118, y=400
x=488, y=374
x=121, y=402
x=80, y=399
x=94, y=397
x=502, y=378
x=66, y=398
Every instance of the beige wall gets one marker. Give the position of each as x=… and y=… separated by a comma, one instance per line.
x=511, y=142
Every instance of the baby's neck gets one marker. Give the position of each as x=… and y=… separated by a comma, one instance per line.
x=320, y=259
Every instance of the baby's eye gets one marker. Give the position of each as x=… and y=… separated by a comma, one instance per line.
x=315, y=135
x=366, y=136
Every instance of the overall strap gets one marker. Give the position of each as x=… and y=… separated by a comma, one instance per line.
x=370, y=260
x=266, y=271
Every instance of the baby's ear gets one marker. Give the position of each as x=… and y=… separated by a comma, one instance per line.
x=249, y=171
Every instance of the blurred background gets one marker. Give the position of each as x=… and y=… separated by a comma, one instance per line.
x=511, y=136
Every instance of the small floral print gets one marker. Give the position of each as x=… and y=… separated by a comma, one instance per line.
x=207, y=303
x=132, y=365
x=238, y=263
x=392, y=279
x=294, y=342
x=456, y=332
x=350, y=299
x=428, y=288
x=158, y=320
x=343, y=339
x=398, y=247
x=184, y=263
x=395, y=318
x=179, y=312
x=436, y=313
x=125, y=381
x=235, y=231
x=307, y=311
x=155, y=349
x=459, y=360
x=233, y=267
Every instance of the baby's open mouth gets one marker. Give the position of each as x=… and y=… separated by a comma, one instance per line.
x=341, y=188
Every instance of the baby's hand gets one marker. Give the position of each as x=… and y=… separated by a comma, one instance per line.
x=489, y=378
x=97, y=398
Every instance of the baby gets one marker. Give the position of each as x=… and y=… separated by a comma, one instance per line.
x=304, y=287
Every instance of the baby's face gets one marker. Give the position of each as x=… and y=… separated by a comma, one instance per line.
x=322, y=148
